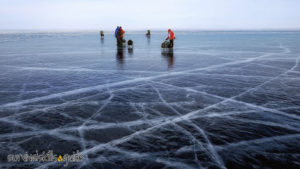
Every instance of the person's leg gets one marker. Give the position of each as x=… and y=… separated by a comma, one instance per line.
x=119, y=41
x=171, y=43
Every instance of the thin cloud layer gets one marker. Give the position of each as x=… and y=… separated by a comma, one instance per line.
x=155, y=14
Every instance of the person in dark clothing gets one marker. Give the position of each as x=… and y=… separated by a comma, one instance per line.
x=102, y=33
x=120, y=36
x=119, y=40
x=148, y=33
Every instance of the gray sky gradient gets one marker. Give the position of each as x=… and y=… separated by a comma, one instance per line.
x=150, y=14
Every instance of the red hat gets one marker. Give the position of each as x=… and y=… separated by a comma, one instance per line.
x=169, y=30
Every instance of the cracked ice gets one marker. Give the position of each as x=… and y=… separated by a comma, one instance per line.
x=220, y=100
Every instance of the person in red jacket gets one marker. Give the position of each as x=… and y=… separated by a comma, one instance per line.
x=171, y=37
x=122, y=32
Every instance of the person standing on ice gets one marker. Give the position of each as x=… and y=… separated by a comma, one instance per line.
x=171, y=37
x=120, y=36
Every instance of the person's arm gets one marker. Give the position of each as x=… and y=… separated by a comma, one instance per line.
x=168, y=36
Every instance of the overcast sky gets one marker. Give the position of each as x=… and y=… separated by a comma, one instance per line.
x=150, y=14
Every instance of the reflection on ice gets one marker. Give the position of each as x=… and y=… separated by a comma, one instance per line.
x=130, y=51
x=120, y=55
x=168, y=54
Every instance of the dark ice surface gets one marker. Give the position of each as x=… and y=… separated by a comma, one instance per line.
x=218, y=100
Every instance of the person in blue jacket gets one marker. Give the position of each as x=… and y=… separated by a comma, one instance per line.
x=116, y=31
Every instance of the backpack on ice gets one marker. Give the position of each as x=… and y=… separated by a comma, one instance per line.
x=166, y=44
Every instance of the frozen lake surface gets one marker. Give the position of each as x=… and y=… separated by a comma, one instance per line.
x=220, y=100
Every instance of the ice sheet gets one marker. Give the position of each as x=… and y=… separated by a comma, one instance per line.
x=218, y=100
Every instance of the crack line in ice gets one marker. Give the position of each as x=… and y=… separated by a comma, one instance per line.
x=75, y=128
x=211, y=147
x=69, y=103
x=129, y=137
x=192, y=137
x=269, y=66
x=290, y=107
x=20, y=95
x=148, y=156
x=76, y=69
x=115, y=84
x=126, y=138
x=81, y=132
x=230, y=75
x=257, y=141
x=285, y=126
x=215, y=155
x=233, y=98
x=111, y=125
x=113, y=140
x=177, y=119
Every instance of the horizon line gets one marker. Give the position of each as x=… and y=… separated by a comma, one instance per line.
x=139, y=30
